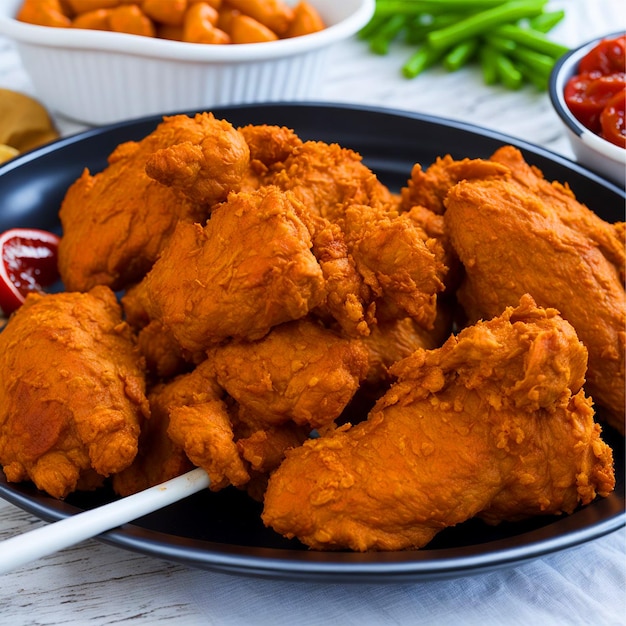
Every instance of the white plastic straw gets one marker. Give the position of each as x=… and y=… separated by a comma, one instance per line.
x=17, y=551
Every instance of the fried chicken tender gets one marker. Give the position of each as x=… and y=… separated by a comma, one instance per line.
x=326, y=178
x=524, y=234
x=205, y=432
x=300, y=372
x=249, y=269
x=397, y=261
x=209, y=162
x=493, y=424
x=116, y=222
x=429, y=188
x=159, y=457
x=72, y=391
x=393, y=340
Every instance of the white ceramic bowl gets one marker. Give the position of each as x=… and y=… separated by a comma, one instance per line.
x=591, y=150
x=98, y=77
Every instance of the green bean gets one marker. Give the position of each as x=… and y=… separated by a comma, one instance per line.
x=533, y=40
x=460, y=55
x=510, y=76
x=487, y=57
x=538, y=80
x=417, y=7
x=422, y=59
x=372, y=26
x=418, y=29
x=545, y=22
x=539, y=63
x=379, y=43
x=482, y=22
x=500, y=43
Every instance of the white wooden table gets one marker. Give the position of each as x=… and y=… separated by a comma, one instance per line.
x=94, y=583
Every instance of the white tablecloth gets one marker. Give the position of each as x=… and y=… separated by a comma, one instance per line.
x=99, y=584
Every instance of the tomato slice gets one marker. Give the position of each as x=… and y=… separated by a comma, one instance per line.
x=586, y=95
x=608, y=57
x=612, y=120
x=28, y=264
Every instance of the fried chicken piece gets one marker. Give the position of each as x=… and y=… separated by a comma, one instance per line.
x=397, y=260
x=208, y=161
x=164, y=357
x=327, y=177
x=300, y=372
x=205, y=432
x=429, y=188
x=348, y=300
x=71, y=393
x=265, y=449
x=393, y=340
x=250, y=268
x=524, y=234
x=269, y=146
x=492, y=424
x=116, y=222
x=159, y=457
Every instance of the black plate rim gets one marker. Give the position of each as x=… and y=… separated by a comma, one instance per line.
x=310, y=565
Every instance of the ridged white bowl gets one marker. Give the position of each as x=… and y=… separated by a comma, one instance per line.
x=98, y=77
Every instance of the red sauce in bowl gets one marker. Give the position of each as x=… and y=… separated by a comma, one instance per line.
x=596, y=94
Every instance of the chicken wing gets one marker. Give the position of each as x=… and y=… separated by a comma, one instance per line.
x=494, y=423
x=72, y=391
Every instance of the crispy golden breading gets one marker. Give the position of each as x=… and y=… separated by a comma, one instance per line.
x=250, y=268
x=299, y=372
x=116, y=222
x=492, y=424
x=523, y=234
x=71, y=392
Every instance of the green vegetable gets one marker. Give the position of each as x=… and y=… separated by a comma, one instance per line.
x=534, y=40
x=421, y=60
x=480, y=23
x=460, y=55
x=510, y=76
x=545, y=22
x=488, y=66
x=386, y=33
x=506, y=37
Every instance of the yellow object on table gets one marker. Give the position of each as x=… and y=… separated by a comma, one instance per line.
x=24, y=124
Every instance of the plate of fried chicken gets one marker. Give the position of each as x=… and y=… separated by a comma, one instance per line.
x=394, y=342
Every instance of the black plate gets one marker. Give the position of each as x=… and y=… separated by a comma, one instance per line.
x=222, y=531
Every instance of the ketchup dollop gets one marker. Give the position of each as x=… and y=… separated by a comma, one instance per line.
x=597, y=93
x=28, y=263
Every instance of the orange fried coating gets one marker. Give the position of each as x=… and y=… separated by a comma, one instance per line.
x=524, y=234
x=250, y=268
x=306, y=20
x=393, y=340
x=398, y=261
x=130, y=19
x=429, y=188
x=274, y=14
x=72, y=392
x=116, y=222
x=300, y=372
x=327, y=178
x=44, y=13
x=205, y=432
x=159, y=457
x=206, y=164
x=492, y=424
